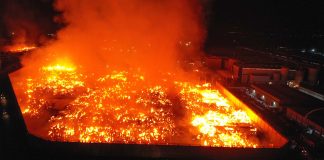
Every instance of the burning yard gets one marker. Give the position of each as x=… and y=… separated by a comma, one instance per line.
x=62, y=104
x=114, y=75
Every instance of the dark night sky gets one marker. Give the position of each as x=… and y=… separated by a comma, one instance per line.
x=248, y=16
x=268, y=15
x=266, y=23
x=38, y=13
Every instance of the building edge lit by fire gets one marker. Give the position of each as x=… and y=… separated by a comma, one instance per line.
x=281, y=84
x=38, y=147
x=285, y=88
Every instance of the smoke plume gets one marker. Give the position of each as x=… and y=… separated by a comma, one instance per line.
x=25, y=22
x=151, y=35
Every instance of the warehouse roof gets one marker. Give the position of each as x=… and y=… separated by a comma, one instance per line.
x=295, y=100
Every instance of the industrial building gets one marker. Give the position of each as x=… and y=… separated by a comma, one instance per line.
x=299, y=107
x=238, y=70
x=249, y=67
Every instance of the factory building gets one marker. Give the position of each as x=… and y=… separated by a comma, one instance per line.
x=237, y=70
x=247, y=66
x=299, y=107
x=214, y=62
x=257, y=73
x=311, y=117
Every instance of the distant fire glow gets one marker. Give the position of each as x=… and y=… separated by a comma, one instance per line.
x=122, y=107
x=19, y=48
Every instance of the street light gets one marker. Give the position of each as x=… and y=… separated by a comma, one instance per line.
x=313, y=50
x=3, y=100
x=3, y=104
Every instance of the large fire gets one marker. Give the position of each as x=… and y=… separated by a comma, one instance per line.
x=113, y=75
x=122, y=106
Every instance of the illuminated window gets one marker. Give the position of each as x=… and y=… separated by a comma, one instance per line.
x=274, y=104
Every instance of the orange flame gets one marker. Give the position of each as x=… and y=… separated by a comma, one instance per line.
x=123, y=107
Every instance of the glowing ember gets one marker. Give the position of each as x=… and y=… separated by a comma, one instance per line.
x=19, y=48
x=125, y=107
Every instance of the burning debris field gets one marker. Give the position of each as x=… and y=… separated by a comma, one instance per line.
x=63, y=104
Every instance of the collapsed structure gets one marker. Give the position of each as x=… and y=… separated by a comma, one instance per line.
x=61, y=104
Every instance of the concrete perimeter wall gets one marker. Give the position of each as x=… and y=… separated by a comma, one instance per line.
x=277, y=140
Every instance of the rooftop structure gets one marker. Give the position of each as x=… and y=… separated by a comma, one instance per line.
x=299, y=106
